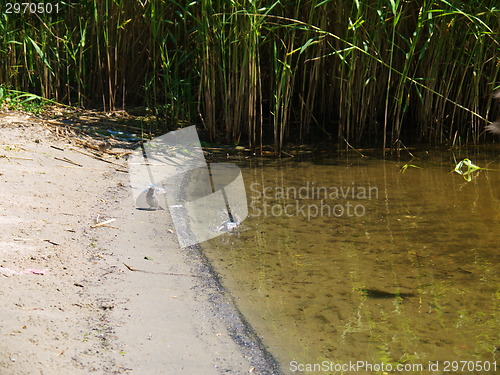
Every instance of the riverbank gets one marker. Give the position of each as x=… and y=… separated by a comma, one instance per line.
x=119, y=298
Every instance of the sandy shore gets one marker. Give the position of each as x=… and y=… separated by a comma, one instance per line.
x=70, y=304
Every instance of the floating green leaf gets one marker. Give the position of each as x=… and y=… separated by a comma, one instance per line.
x=406, y=166
x=466, y=168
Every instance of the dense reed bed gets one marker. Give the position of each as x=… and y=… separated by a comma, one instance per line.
x=350, y=72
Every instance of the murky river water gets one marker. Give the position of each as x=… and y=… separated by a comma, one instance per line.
x=347, y=259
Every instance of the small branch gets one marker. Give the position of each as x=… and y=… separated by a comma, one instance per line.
x=102, y=223
x=160, y=273
x=65, y=159
x=348, y=144
x=283, y=152
x=51, y=242
x=406, y=149
x=109, y=226
x=97, y=157
x=15, y=157
x=33, y=239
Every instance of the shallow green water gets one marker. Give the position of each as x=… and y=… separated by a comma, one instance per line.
x=347, y=259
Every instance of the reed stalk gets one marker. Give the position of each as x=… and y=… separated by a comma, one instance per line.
x=255, y=71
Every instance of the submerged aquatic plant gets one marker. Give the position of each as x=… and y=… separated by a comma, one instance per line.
x=406, y=166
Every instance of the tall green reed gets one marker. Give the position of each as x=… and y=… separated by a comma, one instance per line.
x=347, y=72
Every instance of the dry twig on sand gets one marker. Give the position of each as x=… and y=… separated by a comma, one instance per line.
x=65, y=159
x=160, y=273
x=104, y=223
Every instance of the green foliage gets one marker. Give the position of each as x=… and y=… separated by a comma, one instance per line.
x=406, y=166
x=251, y=70
x=466, y=168
x=17, y=100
